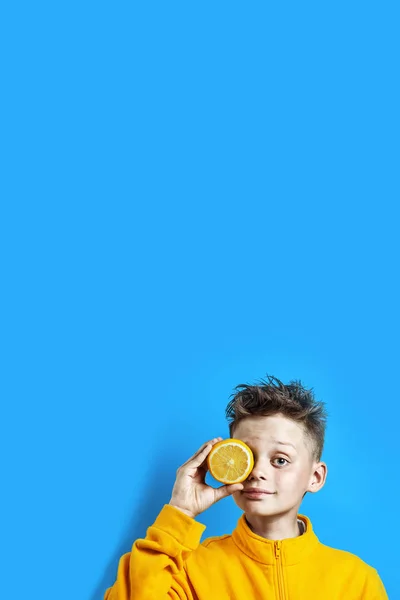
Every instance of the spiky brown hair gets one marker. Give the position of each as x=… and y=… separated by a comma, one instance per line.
x=270, y=397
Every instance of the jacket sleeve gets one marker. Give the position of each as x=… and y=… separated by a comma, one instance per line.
x=155, y=567
x=374, y=588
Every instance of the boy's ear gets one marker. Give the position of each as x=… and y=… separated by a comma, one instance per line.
x=318, y=478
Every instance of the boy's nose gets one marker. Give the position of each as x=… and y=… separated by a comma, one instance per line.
x=260, y=471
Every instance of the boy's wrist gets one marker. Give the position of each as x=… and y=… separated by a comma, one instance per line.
x=186, y=512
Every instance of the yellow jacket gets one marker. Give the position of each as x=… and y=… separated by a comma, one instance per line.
x=171, y=563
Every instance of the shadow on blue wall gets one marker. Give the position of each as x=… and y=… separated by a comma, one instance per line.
x=159, y=493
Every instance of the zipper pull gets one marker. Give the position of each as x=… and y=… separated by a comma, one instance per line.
x=277, y=550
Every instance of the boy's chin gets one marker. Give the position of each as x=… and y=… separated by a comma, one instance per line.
x=258, y=507
x=268, y=511
x=261, y=510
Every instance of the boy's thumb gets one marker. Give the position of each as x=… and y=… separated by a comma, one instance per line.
x=227, y=490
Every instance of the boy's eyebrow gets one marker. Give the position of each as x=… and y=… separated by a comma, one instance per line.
x=284, y=443
x=277, y=442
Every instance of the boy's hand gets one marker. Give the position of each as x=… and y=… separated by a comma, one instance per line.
x=190, y=493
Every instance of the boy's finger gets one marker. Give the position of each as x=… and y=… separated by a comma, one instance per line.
x=201, y=457
x=227, y=490
x=201, y=450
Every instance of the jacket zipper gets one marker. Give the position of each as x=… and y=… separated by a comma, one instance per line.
x=281, y=587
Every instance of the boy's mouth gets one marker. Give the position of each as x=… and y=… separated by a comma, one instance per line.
x=256, y=493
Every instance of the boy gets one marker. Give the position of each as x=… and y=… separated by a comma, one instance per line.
x=273, y=552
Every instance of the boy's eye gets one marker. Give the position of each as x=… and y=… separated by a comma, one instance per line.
x=280, y=458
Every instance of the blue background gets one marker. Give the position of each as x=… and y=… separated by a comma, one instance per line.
x=193, y=195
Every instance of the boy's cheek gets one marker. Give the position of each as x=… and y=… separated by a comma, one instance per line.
x=238, y=498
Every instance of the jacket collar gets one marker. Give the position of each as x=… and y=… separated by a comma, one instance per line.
x=263, y=550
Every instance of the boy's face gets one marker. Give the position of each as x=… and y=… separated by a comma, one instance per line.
x=285, y=471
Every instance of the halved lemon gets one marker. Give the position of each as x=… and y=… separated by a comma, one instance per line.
x=230, y=461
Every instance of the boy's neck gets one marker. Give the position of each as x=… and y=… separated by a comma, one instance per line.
x=276, y=527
